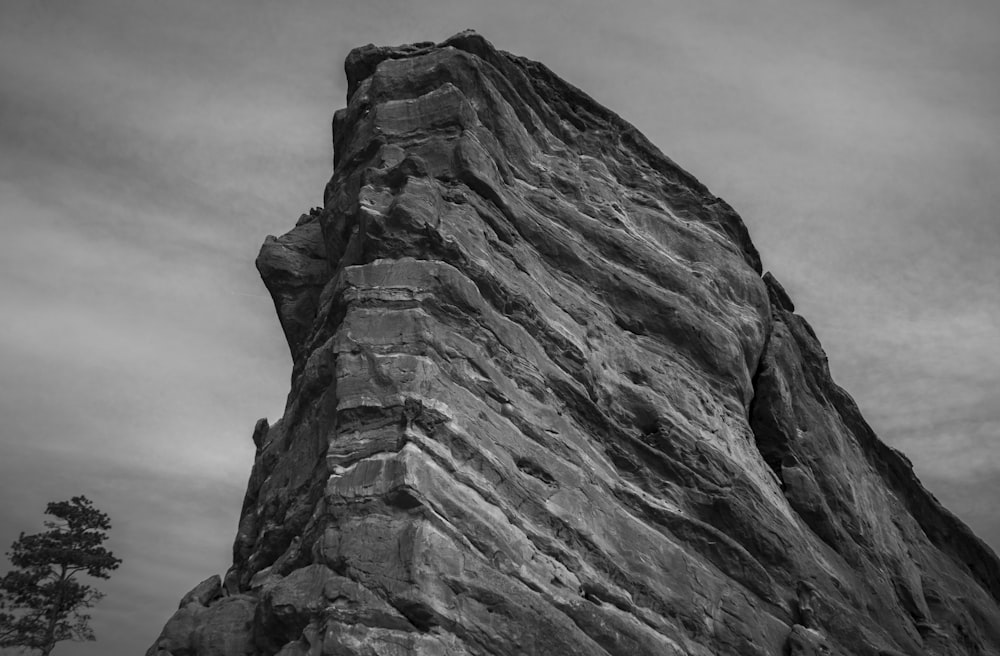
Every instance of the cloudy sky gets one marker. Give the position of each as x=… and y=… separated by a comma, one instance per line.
x=146, y=149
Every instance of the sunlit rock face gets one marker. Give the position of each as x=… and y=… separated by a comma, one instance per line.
x=543, y=402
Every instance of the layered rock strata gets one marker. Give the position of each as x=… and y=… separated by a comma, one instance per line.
x=543, y=402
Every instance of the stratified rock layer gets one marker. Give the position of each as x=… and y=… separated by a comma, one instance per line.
x=543, y=402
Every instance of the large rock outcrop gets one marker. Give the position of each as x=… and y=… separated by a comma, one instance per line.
x=543, y=402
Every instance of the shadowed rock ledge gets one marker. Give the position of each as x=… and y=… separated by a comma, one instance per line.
x=543, y=402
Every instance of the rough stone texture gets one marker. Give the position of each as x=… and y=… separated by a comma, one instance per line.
x=543, y=402
x=204, y=593
x=807, y=642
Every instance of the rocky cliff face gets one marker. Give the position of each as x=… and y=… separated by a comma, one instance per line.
x=543, y=402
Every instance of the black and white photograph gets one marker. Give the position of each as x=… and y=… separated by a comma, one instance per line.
x=441, y=328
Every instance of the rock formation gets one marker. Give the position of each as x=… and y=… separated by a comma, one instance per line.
x=544, y=402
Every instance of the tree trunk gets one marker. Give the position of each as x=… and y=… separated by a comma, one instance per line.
x=50, y=634
x=50, y=630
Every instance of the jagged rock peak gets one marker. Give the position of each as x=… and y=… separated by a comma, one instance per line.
x=543, y=402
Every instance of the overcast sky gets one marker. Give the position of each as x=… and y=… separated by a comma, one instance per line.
x=146, y=149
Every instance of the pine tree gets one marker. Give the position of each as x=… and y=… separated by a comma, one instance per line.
x=41, y=598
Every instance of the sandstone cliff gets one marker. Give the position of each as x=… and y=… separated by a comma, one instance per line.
x=543, y=402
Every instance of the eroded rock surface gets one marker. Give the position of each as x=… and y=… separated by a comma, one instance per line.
x=543, y=402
